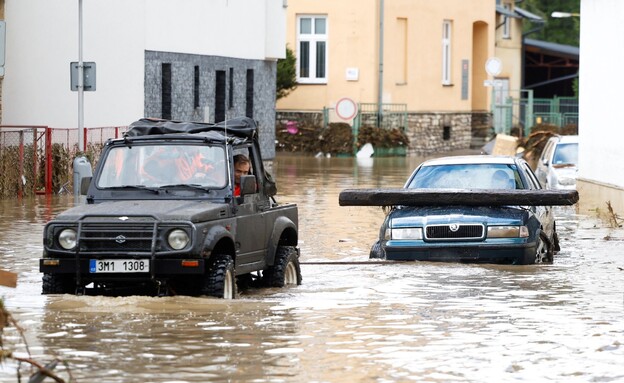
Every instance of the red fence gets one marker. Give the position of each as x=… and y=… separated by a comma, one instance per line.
x=38, y=159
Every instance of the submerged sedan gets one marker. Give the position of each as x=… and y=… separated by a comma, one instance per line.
x=468, y=209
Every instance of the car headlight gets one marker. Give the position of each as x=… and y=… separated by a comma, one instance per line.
x=508, y=232
x=67, y=239
x=407, y=233
x=178, y=239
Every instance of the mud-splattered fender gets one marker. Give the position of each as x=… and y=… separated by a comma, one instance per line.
x=283, y=227
x=218, y=236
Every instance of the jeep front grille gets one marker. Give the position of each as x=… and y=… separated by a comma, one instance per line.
x=454, y=231
x=118, y=237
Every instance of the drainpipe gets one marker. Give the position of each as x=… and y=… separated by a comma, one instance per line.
x=381, y=45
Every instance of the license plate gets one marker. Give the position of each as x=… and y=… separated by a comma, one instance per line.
x=119, y=266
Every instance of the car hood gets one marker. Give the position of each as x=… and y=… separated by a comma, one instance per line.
x=437, y=215
x=194, y=211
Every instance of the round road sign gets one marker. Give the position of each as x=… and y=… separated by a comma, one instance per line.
x=346, y=108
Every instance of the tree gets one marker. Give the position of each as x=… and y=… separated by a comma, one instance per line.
x=562, y=31
x=286, y=74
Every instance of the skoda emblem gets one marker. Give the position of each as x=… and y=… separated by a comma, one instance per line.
x=120, y=239
x=454, y=227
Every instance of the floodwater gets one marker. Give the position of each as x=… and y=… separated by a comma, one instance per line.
x=347, y=322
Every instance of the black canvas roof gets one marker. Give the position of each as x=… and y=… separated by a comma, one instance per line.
x=242, y=127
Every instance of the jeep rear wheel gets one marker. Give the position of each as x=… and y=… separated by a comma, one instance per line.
x=56, y=284
x=220, y=279
x=285, y=270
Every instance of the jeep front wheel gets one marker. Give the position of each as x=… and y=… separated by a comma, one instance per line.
x=220, y=279
x=56, y=284
x=285, y=270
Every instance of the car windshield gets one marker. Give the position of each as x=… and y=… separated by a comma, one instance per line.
x=566, y=154
x=153, y=166
x=467, y=176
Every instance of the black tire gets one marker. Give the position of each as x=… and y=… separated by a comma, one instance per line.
x=376, y=251
x=220, y=279
x=286, y=269
x=57, y=284
x=543, y=251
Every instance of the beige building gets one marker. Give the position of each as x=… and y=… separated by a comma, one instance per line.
x=425, y=57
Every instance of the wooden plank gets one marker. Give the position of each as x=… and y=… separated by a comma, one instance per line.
x=8, y=278
x=465, y=197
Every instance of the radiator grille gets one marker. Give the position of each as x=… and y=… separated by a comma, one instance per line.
x=454, y=231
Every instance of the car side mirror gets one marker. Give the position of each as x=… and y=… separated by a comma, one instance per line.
x=545, y=161
x=248, y=184
x=85, y=182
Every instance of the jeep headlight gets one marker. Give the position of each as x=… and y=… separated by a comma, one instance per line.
x=178, y=239
x=507, y=232
x=67, y=239
x=407, y=233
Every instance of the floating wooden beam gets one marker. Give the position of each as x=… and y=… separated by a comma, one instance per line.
x=465, y=197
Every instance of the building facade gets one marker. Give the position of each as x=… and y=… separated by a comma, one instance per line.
x=426, y=56
x=199, y=60
x=601, y=169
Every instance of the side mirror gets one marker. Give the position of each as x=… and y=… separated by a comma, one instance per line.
x=85, y=182
x=248, y=184
x=545, y=161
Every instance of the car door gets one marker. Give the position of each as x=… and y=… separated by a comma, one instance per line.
x=541, y=169
x=251, y=223
x=543, y=213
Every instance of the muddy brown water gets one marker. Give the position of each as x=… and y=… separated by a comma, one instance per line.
x=434, y=322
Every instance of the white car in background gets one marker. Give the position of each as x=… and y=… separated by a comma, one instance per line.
x=558, y=164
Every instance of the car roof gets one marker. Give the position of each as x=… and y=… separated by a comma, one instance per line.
x=471, y=159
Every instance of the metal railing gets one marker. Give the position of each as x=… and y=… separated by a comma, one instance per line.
x=38, y=159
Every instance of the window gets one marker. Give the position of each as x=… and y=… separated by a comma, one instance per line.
x=446, y=52
x=231, y=93
x=312, y=42
x=196, y=88
x=220, y=96
x=165, y=95
x=249, y=94
x=401, y=61
x=507, y=22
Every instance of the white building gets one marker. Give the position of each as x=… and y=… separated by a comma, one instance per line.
x=601, y=135
x=216, y=59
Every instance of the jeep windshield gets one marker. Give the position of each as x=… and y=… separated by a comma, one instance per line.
x=153, y=166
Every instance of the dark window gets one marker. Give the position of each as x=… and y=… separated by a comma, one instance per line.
x=304, y=59
x=249, y=93
x=231, y=94
x=446, y=133
x=166, y=92
x=196, y=88
x=220, y=96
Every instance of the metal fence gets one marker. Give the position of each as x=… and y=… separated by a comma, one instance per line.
x=518, y=108
x=38, y=159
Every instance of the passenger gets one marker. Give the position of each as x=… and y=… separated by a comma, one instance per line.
x=242, y=166
x=500, y=180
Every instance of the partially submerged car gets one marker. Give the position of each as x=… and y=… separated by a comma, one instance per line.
x=481, y=208
x=557, y=167
x=165, y=215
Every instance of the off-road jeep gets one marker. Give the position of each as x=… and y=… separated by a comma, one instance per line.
x=162, y=216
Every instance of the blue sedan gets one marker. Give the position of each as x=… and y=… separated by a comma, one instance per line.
x=483, y=208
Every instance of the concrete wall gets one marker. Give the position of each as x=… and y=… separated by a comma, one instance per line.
x=183, y=108
x=601, y=169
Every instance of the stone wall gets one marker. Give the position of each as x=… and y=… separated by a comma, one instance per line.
x=182, y=90
x=427, y=132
